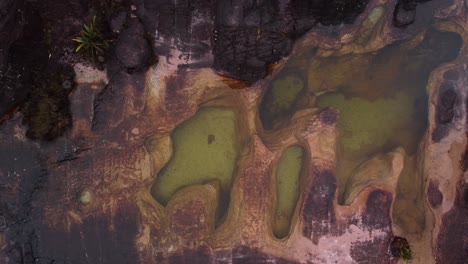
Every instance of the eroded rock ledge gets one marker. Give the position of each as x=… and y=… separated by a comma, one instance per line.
x=85, y=197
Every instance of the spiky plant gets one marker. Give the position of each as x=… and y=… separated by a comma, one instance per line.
x=400, y=248
x=91, y=40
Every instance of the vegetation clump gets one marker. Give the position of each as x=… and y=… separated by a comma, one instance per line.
x=400, y=248
x=91, y=40
x=46, y=112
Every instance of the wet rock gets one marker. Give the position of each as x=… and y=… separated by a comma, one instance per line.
x=10, y=30
x=271, y=33
x=318, y=207
x=451, y=75
x=378, y=210
x=329, y=116
x=245, y=36
x=245, y=254
x=452, y=240
x=132, y=49
x=125, y=225
x=445, y=108
x=10, y=27
x=434, y=195
x=200, y=255
x=102, y=244
x=371, y=251
x=404, y=13
x=121, y=98
x=186, y=26
x=118, y=21
x=403, y=17
x=400, y=248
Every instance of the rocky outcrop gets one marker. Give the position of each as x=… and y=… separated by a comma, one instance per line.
x=245, y=36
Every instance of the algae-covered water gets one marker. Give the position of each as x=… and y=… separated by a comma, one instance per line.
x=205, y=148
x=381, y=96
x=288, y=174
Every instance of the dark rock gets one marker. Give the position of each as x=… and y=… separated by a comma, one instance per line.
x=245, y=36
x=452, y=242
x=201, y=255
x=19, y=195
x=403, y=17
x=244, y=53
x=464, y=158
x=122, y=98
x=329, y=116
x=132, y=49
x=245, y=26
x=451, y=75
x=243, y=254
x=118, y=21
x=318, y=207
x=371, y=251
x=10, y=27
x=434, y=195
x=446, y=110
x=10, y=30
x=445, y=107
x=377, y=215
x=92, y=241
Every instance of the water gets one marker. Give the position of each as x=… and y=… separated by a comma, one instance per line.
x=382, y=98
x=205, y=148
x=382, y=101
x=288, y=174
x=280, y=99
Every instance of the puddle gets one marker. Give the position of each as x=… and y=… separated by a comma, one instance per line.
x=381, y=96
x=205, y=148
x=287, y=175
x=280, y=99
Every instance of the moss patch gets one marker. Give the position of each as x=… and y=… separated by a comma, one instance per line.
x=46, y=112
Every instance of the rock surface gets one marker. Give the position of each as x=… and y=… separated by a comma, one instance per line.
x=85, y=197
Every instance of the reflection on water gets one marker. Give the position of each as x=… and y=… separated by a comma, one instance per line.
x=205, y=148
x=288, y=175
x=381, y=97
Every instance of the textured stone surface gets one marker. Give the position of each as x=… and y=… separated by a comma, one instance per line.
x=10, y=30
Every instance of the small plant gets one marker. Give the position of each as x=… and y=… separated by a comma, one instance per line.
x=91, y=40
x=400, y=248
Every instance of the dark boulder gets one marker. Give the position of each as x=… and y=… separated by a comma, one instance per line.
x=445, y=107
x=133, y=49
